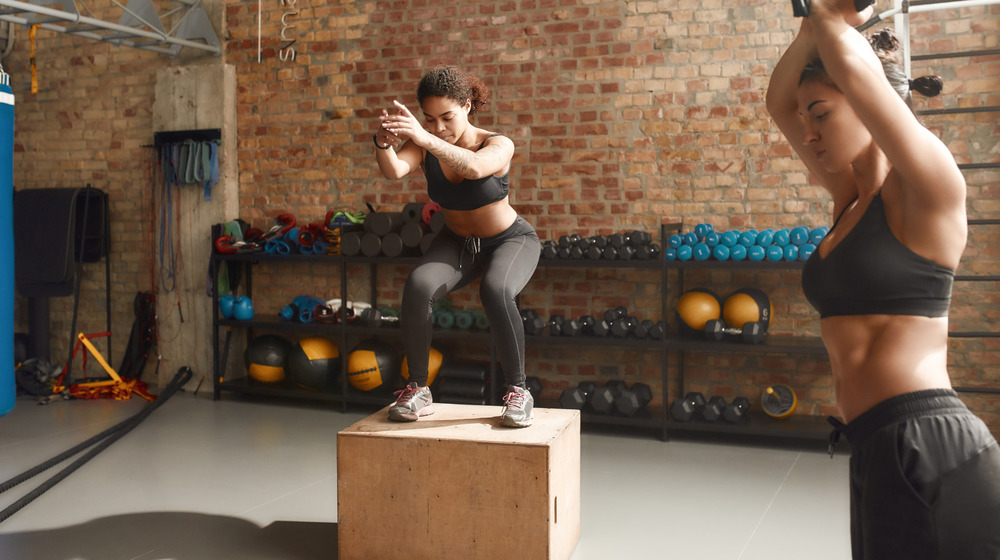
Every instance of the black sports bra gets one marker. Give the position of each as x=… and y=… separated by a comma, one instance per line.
x=468, y=194
x=870, y=272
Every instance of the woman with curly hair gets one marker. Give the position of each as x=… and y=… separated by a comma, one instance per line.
x=925, y=472
x=467, y=170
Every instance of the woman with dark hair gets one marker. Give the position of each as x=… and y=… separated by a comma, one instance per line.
x=467, y=170
x=925, y=472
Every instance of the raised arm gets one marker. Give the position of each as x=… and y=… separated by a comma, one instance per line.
x=393, y=164
x=932, y=179
x=782, y=104
x=493, y=158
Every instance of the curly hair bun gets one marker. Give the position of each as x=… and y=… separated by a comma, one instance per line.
x=928, y=86
x=884, y=40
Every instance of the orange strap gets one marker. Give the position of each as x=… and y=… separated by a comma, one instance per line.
x=34, y=73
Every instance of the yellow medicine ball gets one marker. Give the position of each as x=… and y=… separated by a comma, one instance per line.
x=748, y=305
x=372, y=365
x=697, y=307
x=266, y=358
x=314, y=362
x=434, y=359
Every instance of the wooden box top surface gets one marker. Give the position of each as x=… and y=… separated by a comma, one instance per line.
x=469, y=423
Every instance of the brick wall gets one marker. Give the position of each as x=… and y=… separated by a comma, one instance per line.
x=90, y=123
x=624, y=115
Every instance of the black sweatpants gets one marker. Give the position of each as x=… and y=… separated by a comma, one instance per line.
x=505, y=262
x=925, y=481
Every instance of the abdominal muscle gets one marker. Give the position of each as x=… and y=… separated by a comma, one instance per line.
x=485, y=221
x=876, y=357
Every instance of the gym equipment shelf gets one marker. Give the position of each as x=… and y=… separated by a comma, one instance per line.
x=799, y=427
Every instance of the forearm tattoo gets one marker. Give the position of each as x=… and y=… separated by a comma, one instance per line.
x=459, y=159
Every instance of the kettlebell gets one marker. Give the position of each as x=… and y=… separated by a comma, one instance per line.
x=226, y=305
x=243, y=309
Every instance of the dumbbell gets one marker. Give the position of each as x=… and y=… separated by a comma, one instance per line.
x=613, y=314
x=737, y=411
x=561, y=326
x=555, y=324
x=567, y=241
x=594, y=327
x=689, y=407
x=800, y=8
x=573, y=397
x=623, y=326
x=443, y=318
x=379, y=318
x=713, y=409
x=550, y=250
x=752, y=332
x=639, y=238
x=633, y=400
x=654, y=330
x=463, y=319
x=534, y=386
x=533, y=324
x=602, y=399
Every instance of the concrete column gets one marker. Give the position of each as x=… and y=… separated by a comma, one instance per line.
x=191, y=98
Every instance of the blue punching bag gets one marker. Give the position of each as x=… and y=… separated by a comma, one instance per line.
x=7, y=387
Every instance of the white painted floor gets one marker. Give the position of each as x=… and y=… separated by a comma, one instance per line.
x=234, y=479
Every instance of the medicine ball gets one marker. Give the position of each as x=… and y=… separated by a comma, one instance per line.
x=697, y=307
x=748, y=305
x=372, y=365
x=434, y=359
x=266, y=358
x=314, y=363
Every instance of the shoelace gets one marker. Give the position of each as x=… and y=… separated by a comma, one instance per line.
x=514, y=399
x=405, y=395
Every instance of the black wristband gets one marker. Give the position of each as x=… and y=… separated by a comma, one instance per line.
x=375, y=140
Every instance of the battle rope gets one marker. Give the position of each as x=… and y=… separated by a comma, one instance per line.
x=105, y=439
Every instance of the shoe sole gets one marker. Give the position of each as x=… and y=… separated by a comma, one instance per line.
x=400, y=417
x=515, y=424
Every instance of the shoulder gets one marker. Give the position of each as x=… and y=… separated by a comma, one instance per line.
x=488, y=138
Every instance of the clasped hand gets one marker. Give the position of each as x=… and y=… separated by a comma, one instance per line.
x=399, y=127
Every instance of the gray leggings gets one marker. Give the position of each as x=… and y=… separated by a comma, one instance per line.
x=505, y=262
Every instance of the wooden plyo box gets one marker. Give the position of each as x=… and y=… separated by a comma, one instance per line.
x=457, y=484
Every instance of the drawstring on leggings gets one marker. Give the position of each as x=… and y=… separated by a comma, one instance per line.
x=472, y=246
x=838, y=429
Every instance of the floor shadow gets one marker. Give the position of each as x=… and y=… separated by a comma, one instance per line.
x=174, y=536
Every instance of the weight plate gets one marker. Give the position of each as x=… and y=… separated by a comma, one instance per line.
x=779, y=401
